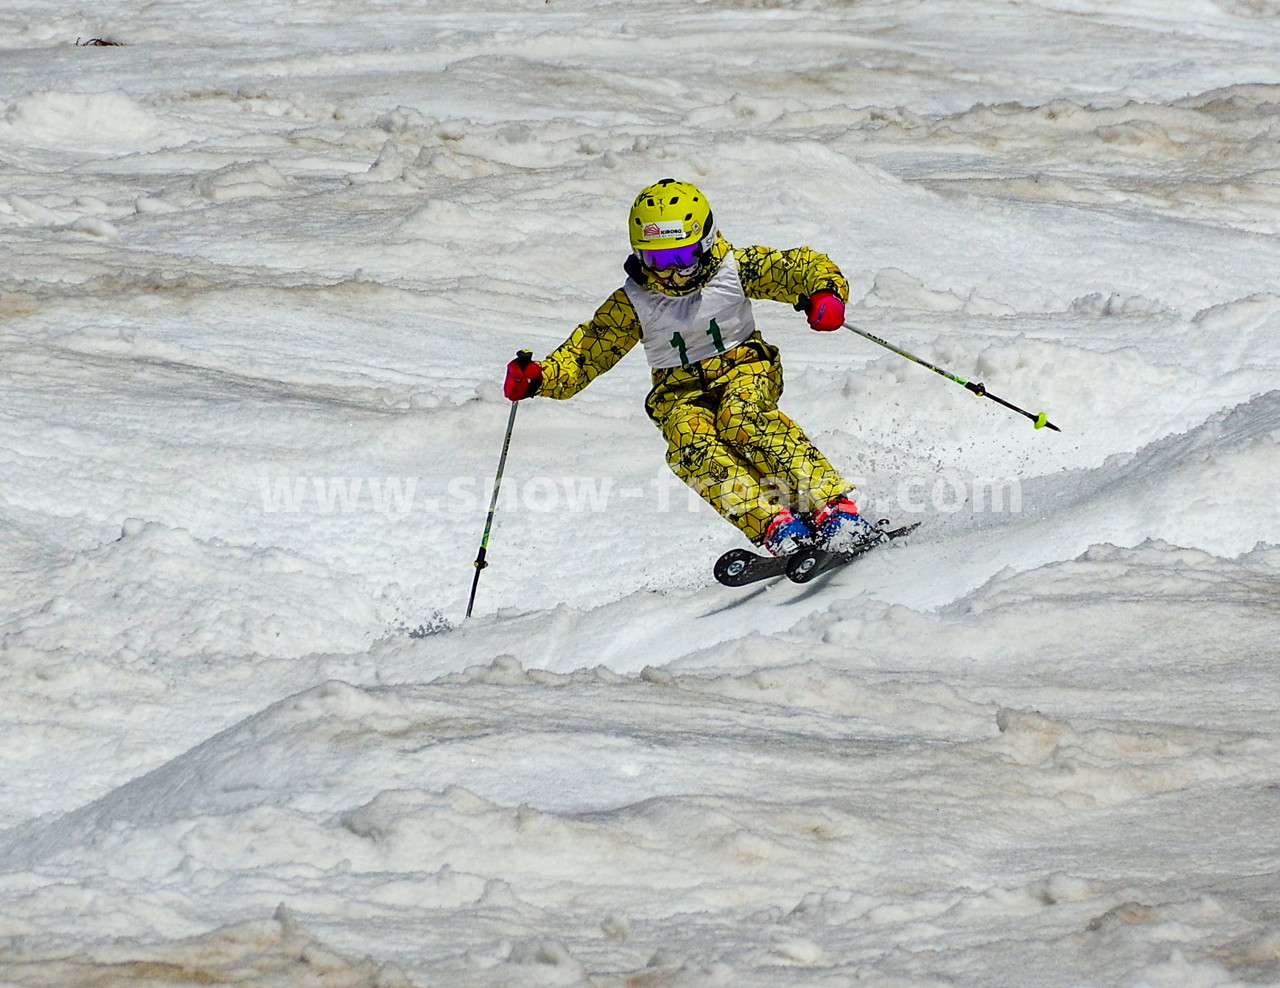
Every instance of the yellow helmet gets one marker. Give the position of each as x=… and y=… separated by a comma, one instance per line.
x=669, y=214
x=672, y=236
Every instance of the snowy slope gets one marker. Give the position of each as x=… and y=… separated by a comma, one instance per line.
x=262, y=271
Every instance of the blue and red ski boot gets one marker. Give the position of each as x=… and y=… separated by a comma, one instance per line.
x=838, y=527
x=787, y=534
x=842, y=535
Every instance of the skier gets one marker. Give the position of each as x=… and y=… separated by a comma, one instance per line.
x=716, y=382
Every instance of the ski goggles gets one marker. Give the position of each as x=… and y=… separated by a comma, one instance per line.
x=672, y=260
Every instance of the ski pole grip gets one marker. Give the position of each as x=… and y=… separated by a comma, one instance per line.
x=803, y=304
x=524, y=358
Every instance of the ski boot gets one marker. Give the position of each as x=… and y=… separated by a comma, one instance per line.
x=787, y=533
x=838, y=527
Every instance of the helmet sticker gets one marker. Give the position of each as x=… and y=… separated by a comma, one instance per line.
x=663, y=230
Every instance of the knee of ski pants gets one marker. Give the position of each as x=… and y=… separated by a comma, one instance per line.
x=742, y=416
x=691, y=438
x=749, y=401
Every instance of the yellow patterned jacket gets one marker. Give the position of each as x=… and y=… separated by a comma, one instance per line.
x=599, y=343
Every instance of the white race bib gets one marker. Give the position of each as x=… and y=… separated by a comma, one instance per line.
x=683, y=329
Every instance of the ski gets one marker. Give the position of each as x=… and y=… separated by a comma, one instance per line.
x=803, y=566
x=738, y=567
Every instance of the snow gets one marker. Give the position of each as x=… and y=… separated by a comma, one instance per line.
x=263, y=268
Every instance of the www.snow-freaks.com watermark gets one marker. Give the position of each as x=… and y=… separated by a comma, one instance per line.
x=396, y=497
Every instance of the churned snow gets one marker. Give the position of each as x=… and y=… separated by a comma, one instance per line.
x=264, y=264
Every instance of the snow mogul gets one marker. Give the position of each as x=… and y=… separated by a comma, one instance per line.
x=716, y=382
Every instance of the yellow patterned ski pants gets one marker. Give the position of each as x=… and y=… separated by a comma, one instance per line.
x=727, y=439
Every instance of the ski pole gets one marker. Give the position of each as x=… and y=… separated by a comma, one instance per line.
x=1040, y=419
x=524, y=356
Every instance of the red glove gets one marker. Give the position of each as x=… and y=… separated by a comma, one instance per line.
x=524, y=377
x=826, y=311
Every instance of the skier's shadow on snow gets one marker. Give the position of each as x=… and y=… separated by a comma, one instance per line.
x=805, y=592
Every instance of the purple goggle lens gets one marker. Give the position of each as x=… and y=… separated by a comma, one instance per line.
x=680, y=258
